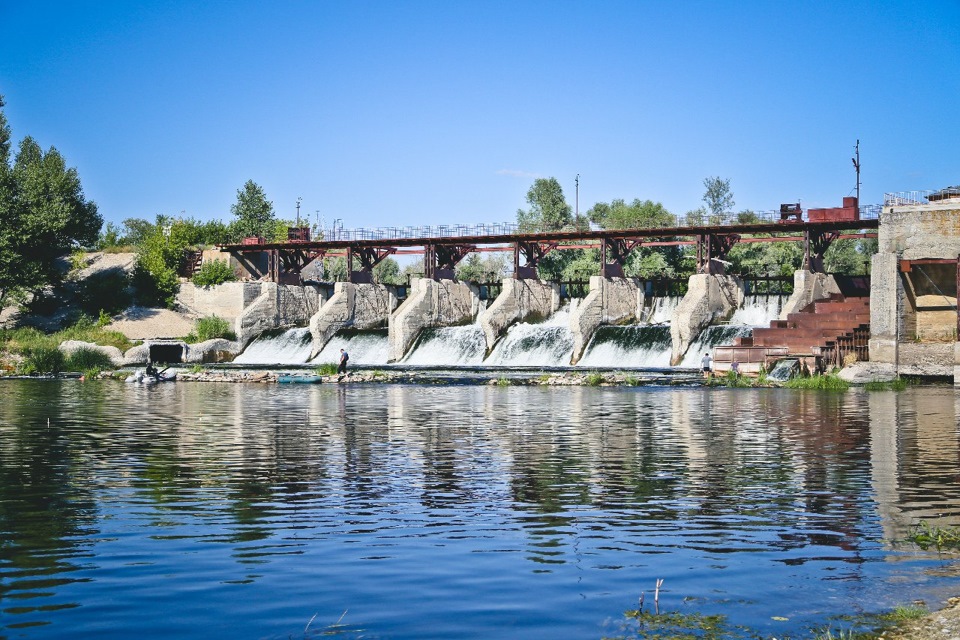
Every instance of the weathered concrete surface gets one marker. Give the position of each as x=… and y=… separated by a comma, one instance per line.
x=918, y=337
x=709, y=298
x=924, y=231
x=354, y=306
x=253, y=307
x=956, y=366
x=886, y=292
x=610, y=301
x=431, y=303
x=519, y=300
x=808, y=287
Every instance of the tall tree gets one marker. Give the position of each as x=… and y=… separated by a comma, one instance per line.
x=255, y=215
x=43, y=215
x=718, y=198
x=548, y=210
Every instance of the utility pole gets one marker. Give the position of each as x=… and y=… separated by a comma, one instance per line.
x=298, y=212
x=856, y=165
x=577, y=182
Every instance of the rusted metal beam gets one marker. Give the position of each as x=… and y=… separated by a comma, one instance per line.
x=533, y=252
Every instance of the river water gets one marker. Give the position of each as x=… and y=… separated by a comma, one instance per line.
x=199, y=510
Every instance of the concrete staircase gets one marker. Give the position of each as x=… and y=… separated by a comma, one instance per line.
x=822, y=334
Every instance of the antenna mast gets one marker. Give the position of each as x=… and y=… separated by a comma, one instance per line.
x=856, y=165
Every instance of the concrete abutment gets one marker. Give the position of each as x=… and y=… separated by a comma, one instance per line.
x=430, y=303
x=520, y=300
x=352, y=306
x=709, y=299
x=610, y=301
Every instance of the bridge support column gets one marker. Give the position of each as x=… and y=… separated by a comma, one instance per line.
x=431, y=303
x=808, y=287
x=610, y=301
x=709, y=298
x=520, y=300
x=356, y=306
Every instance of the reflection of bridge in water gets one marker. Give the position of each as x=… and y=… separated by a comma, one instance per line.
x=443, y=247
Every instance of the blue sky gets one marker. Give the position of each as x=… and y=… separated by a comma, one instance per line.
x=409, y=113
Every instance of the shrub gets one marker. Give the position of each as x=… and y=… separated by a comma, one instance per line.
x=825, y=382
x=595, y=379
x=213, y=273
x=211, y=327
x=42, y=359
x=326, y=369
x=88, y=360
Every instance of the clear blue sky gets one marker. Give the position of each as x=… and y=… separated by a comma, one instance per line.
x=404, y=113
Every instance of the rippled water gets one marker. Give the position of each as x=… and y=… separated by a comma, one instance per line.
x=270, y=511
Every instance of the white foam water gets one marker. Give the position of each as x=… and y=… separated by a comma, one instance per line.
x=289, y=347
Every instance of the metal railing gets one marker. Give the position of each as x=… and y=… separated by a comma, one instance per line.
x=867, y=212
x=904, y=198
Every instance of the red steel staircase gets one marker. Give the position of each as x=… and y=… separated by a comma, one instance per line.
x=822, y=334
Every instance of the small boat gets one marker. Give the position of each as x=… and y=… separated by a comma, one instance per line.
x=142, y=377
x=292, y=379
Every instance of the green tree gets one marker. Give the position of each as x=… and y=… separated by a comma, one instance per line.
x=387, y=271
x=548, y=210
x=639, y=214
x=158, y=259
x=718, y=198
x=254, y=213
x=488, y=268
x=43, y=215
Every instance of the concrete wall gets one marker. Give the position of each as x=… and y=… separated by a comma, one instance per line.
x=252, y=307
x=610, y=301
x=915, y=232
x=519, y=300
x=808, y=287
x=355, y=306
x=921, y=231
x=709, y=299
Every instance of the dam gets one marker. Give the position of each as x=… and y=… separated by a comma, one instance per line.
x=284, y=318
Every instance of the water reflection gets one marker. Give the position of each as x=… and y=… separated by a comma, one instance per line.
x=133, y=499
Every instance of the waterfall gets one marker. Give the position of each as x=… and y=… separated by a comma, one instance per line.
x=291, y=346
x=629, y=346
x=543, y=344
x=369, y=347
x=448, y=346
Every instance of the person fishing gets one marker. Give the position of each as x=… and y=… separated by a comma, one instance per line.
x=342, y=367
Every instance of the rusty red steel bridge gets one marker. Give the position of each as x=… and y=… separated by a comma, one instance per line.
x=444, y=247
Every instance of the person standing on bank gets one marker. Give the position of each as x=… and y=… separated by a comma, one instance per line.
x=344, y=358
x=706, y=363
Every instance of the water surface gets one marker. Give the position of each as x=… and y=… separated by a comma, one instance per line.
x=202, y=510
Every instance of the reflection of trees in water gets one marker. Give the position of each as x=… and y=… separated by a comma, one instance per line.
x=781, y=469
x=47, y=514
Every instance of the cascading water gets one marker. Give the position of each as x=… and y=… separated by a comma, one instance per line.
x=278, y=347
x=448, y=346
x=368, y=347
x=544, y=344
x=629, y=346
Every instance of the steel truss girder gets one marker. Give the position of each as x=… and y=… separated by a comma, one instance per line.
x=619, y=250
x=369, y=257
x=533, y=252
x=815, y=245
x=712, y=250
